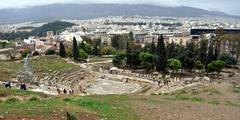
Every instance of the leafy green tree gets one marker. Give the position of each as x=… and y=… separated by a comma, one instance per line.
x=82, y=54
x=88, y=48
x=228, y=59
x=3, y=44
x=146, y=60
x=82, y=45
x=62, y=51
x=114, y=41
x=88, y=40
x=118, y=59
x=75, y=52
x=122, y=42
x=53, y=26
x=199, y=66
x=161, y=57
x=174, y=65
x=215, y=66
x=108, y=50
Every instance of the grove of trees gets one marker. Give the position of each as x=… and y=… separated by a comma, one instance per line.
x=203, y=55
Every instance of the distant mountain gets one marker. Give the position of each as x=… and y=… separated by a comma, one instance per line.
x=85, y=11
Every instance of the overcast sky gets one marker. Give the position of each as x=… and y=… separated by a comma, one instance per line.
x=228, y=6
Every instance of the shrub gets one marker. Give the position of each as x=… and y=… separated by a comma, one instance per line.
x=67, y=99
x=36, y=53
x=71, y=116
x=34, y=99
x=25, y=53
x=12, y=100
x=215, y=66
x=82, y=54
x=228, y=59
x=50, y=52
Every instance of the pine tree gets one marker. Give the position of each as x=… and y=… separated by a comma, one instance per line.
x=62, y=51
x=161, y=59
x=75, y=51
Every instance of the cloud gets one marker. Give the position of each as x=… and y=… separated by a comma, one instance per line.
x=229, y=6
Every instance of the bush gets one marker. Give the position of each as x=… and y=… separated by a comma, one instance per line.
x=67, y=99
x=228, y=59
x=36, y=53
x=25, y=53
x=215, y=66
x=83, y=55
x=198, y=65
x=50, y=52
x=174, y=64
x=118, y=59
x=108, y=51
x=12, y=100
x=34, y=99
x=71, y=116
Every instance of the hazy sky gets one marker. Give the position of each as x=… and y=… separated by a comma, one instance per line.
x=228, y=6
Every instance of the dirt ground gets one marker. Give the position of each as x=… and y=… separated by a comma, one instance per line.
x=80, y=116
x=223, y=103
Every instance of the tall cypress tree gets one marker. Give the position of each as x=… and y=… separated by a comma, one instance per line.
x=62, y=51
x=128, y=55
x=210, y=54
x=171, y=50
x=203, y=51
x=216, y=52
x=75, y=51
x=153, y=47
x=190, y=56
x=161, y=59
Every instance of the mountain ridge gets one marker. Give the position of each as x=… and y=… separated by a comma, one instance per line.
x=54, y=12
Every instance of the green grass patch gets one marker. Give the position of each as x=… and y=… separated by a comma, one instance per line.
x=11, y=66
x=12, y=100
x=188, y=98
x=109, y=107
x=14, y=92
x=98, y=59
x=48, y=64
